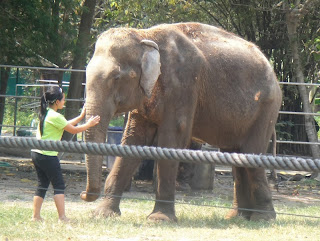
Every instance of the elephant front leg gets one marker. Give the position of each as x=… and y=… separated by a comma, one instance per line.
x=172, y=134
x=138, y=132
x=164, y=209
x=118, y=179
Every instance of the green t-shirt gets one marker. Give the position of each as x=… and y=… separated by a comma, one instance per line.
x=53, y=127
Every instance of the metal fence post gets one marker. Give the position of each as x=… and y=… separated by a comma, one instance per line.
x=15, y=104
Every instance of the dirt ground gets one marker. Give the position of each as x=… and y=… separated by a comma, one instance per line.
x=18, y=182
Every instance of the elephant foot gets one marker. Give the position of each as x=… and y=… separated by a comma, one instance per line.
x=260, y=216
x=106, y=211
x=252, y=216
x=160, y=216
x=237, y=213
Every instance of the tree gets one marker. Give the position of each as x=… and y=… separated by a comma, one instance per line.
x=79, y=61
x=293, y=17
x=4, y=75
x=13, y=21
x=32, y=30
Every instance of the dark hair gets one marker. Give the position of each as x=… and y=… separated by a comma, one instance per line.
x=53, y=94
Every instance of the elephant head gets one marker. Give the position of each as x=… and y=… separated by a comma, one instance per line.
x=120, y=76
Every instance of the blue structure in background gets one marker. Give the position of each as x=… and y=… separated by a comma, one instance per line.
x=114, y=135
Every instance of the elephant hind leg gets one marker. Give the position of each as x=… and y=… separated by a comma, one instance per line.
x=251, y=194
x=241, y=194
x=251, y=189
x=260, y=195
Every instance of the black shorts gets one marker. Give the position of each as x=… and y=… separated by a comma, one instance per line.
x=48, y=171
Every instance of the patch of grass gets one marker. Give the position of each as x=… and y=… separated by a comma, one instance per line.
x=310, y=182
x=16, y=197
x=195, y=223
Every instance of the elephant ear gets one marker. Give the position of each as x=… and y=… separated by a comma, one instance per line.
x=150, y=66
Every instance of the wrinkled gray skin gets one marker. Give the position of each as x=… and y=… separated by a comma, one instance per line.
x=179, y=82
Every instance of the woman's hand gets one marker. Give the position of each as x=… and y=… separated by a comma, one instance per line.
x=83, y=112
x=77, y=119
x=94, y=120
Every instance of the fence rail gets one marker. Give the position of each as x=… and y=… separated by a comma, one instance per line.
x=41, y=68
x=81, y=100
x=297, y=83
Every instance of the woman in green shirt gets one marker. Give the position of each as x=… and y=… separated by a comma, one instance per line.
x=51, y=127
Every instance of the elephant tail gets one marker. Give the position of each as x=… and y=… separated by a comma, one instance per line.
x=274, y=142
x=273, y=174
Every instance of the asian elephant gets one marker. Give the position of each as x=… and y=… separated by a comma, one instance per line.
x=181, y=81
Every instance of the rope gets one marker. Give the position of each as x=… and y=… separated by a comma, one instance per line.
x=157, y=153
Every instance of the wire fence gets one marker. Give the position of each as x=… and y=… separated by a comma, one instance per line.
x=25, y=99
x=192, y=201
x=31, y=102
x=32, y=105
x=49, y=82
x=40, y=68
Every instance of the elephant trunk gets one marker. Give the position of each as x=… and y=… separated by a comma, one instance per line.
x=94, y=162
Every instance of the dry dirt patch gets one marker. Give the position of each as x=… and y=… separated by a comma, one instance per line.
x=18, y=181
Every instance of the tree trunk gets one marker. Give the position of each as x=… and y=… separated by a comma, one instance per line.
x=292, y=21
x=79, y=62
x=3, y=88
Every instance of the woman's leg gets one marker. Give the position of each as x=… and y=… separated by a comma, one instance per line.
x=49, y=170
x=55, y=175
x=43, y=184
x=59, y=201
x=37, y=203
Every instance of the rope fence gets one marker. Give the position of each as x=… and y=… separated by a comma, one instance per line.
x=157, y=153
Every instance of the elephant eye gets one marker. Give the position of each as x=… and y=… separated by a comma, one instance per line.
x=115, y=73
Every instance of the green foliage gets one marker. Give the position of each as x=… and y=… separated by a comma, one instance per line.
x=311, y=183
x=146, y=13
x=281, y=127
x=24, y=117
x=316, y=51
x=117, y=121
x=31, y=31
x=317, y=119
x=26, y=108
